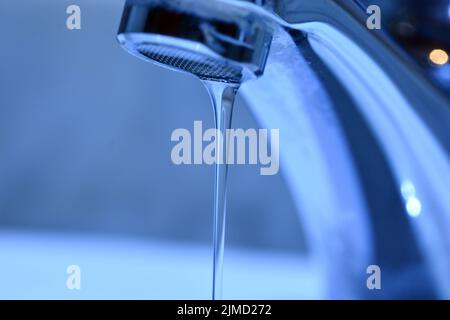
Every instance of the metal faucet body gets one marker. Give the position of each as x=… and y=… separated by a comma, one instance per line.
x=358, y=121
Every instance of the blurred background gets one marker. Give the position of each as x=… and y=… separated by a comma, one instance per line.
x=421, y=28
x=86, y=176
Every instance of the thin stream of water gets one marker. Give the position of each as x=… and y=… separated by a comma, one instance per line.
x=222, y=97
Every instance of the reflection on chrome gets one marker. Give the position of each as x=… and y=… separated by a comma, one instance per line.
x=413, y=207
x=412, y=203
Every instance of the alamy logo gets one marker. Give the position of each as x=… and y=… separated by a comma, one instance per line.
x=190, y=150
x=73, y=21
x=73, y=281
x=374, y=280
x=374, y=20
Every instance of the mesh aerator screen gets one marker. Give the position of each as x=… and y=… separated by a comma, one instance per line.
x=201, y=65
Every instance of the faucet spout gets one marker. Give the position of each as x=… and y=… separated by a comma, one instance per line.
x=214, y=40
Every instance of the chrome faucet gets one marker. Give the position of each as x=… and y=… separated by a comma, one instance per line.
x=364, y=132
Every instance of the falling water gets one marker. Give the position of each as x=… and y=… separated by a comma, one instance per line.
x=222, y=97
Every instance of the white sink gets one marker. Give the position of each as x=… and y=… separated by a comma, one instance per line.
x=34, y=267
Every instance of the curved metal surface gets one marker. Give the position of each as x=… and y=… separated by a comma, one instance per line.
x=409, y=119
